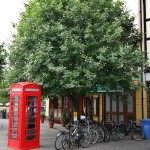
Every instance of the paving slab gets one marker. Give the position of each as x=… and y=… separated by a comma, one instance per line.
x=48, y=136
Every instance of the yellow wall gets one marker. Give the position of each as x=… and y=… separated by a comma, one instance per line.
x=101, y=108
x=95, y=118
x=139, y=104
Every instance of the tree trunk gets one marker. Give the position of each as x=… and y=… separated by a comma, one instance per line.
x=74, y=105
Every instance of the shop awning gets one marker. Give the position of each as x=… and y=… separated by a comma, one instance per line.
x=100, y=89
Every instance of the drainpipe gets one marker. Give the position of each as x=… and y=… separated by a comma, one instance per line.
x=142, y=91
x=141, y=26
x=142, y=95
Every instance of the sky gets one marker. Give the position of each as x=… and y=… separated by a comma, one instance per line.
x=10, y=10
x=133, y=6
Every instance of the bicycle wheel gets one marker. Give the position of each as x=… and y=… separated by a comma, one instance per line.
x=58, y=141
x=137, y=134
x=114, y=134
x=67, y=142
x=84, y=139
x=94, y=136
x=121, y=132
x=101, y=134
x=106, y=135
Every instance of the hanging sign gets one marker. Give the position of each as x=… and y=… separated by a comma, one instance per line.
x=75, y=116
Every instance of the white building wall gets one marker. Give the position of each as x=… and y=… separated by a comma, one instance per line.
x=148, y=27
x=133, y=6
x=148, y=9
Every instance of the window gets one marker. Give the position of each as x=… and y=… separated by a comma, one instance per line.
x=130, y=103
x=117, y=110
x=111, y=108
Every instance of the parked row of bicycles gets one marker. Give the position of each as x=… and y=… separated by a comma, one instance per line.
x=87, y=132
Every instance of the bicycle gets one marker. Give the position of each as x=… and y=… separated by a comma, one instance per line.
x=105, y=135
x=113, y=132
x=78, y=136
x=91, y=129
x=59, y=139
x=131, y=129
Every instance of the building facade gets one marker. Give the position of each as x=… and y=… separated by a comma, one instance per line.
x=103, y=106
x=137, y=105
x=144, y=25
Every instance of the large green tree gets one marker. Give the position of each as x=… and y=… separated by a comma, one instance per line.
x=3, y=85
x=69, y=46
x=2, y=61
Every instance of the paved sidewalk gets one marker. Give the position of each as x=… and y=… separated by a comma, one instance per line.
x=48, y=136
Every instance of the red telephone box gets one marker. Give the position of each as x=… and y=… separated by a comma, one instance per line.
x=24, y=116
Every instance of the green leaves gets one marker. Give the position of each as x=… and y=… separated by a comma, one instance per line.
x=70, y=46
x=3, y=57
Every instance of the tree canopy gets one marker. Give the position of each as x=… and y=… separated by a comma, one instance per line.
x=69, y=46
x=3, y=85
x=2, y=61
